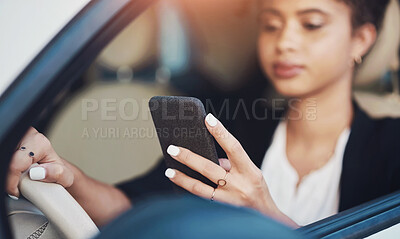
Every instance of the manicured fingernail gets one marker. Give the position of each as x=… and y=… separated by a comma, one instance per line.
x=13, y=197
x=170, y=173
x=37, y=173
x=173, y=150
x=211, y=120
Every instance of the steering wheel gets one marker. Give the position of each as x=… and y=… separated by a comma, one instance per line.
x=59, y=207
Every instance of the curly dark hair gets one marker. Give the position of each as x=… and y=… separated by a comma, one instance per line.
x=367, y=11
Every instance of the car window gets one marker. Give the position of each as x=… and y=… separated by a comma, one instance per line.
x=158, y=54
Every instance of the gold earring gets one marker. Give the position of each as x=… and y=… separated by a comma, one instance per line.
x=358, y=60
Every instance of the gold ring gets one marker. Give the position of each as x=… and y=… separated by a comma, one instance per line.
x=222, y=182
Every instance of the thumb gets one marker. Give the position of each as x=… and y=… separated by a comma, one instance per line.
x=52, y=173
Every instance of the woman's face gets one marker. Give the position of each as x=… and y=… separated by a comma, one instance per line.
x=305, y=45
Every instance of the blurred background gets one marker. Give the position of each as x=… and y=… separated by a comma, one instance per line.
x=200, y=48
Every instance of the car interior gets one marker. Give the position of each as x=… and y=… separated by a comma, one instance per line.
x=201, y=48
x=129, y=71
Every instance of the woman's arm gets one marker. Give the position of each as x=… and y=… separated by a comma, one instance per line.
x=101, y=201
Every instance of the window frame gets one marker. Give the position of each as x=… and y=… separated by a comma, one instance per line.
x=358, y=222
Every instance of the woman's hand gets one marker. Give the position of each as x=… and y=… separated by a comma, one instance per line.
x=91, y=194
x=245, y=184
x=36, y=148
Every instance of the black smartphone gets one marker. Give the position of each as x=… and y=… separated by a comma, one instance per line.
x=179, y=121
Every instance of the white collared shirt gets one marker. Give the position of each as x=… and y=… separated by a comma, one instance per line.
x=317, y=195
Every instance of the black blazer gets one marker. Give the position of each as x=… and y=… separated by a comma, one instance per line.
x=371, y=163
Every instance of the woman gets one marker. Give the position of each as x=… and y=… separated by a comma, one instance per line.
x=304, y=168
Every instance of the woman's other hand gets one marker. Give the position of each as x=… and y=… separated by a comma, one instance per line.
x=239, y=181
x=36, y=148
